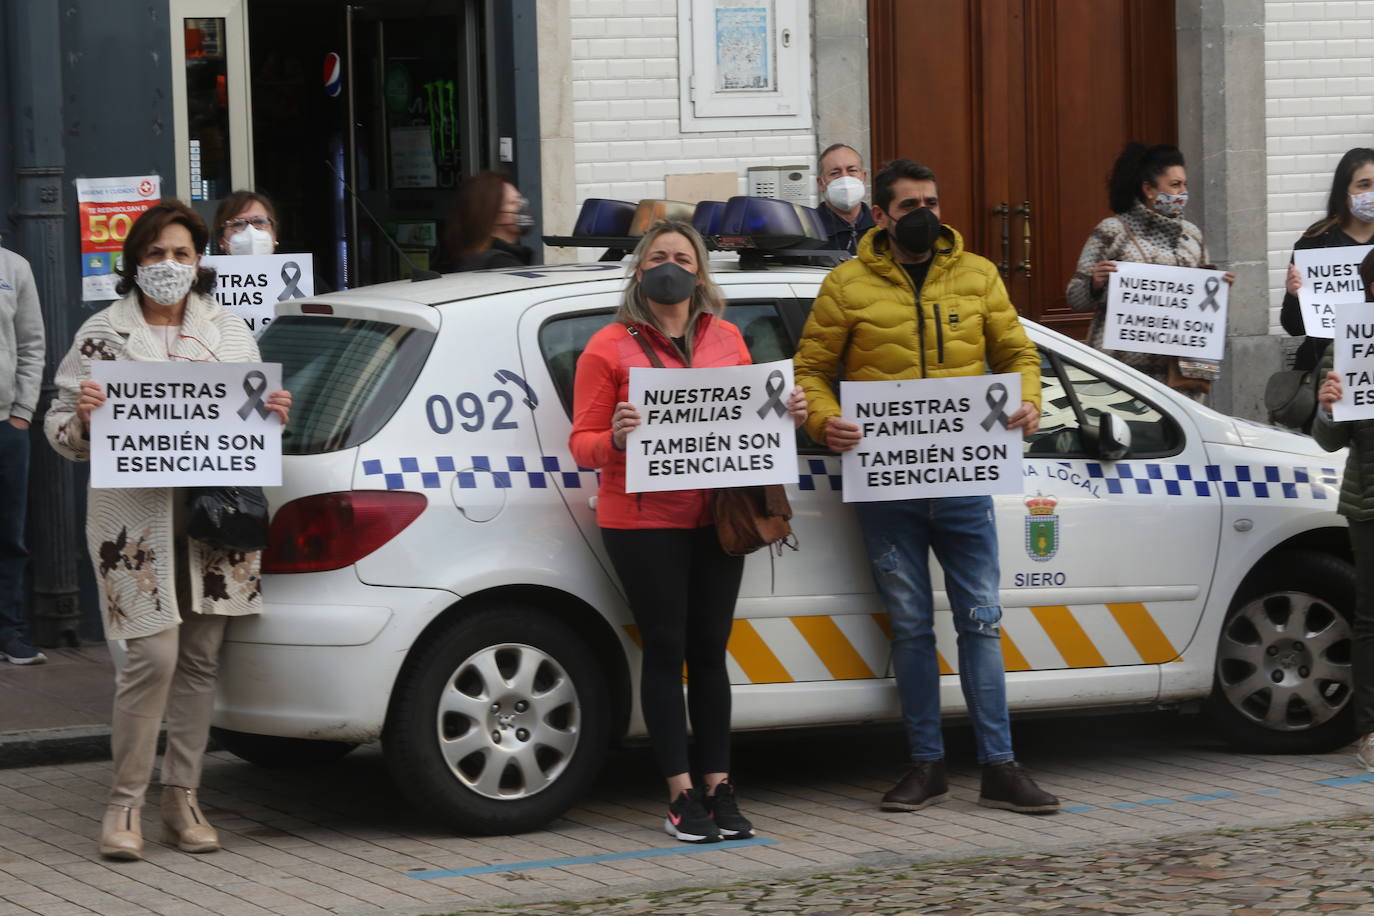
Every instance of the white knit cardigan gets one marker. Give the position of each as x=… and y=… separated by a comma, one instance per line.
x=129, y=531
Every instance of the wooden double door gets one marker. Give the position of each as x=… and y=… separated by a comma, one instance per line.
x=1021, y=107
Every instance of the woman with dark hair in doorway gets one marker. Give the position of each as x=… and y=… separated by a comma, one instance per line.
x=167, y=595
x=1349, y=220
x=1147, y=190
x=484, y=227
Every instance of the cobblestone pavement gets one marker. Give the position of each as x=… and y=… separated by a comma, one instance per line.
x=340, y=839
x=1308, y=868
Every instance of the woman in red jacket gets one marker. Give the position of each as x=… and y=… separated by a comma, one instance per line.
x=681, y=586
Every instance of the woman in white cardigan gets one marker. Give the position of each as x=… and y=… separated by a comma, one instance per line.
x=168, y=596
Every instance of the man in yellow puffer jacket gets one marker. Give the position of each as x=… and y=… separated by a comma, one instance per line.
x=870, y=321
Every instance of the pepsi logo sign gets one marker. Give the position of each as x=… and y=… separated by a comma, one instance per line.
x=333, y=74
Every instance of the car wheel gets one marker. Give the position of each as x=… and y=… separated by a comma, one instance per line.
x=500, y=724
x=1283, y=677
x=280, y=753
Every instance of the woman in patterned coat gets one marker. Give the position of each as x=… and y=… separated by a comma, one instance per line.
x=168, y=596
x=1147, y=190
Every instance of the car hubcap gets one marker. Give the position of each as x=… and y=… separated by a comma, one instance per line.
x=509, y=721
x=1284, y=661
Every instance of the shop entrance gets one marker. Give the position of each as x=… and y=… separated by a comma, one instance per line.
x=391, y=97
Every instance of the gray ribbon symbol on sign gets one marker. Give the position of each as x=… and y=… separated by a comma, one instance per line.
x=254, y=384
x=773, y=388
x=1210, y=288
x=997, y=397
x=291, y=275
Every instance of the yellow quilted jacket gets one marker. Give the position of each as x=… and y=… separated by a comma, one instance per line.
x=864, y=323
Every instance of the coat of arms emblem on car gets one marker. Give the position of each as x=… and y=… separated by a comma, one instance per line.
x=1042, y=528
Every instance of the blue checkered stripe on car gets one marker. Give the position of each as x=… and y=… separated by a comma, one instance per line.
x=1234, y=481
x=502, y=472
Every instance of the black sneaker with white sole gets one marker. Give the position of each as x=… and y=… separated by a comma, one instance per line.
x=724, y=807
x=689, y=821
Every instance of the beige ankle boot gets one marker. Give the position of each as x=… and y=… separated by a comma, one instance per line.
x=184, y=824
x=121, y=833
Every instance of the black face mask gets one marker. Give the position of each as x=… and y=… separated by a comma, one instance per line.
x=667, y=283
x=917, y=231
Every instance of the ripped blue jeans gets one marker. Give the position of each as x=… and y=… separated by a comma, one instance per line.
x=961, y=530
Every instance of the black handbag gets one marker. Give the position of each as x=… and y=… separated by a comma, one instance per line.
x=1290, y=396
x=229, y=518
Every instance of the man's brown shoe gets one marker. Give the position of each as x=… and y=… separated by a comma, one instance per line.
x=922, y=784
x=1010, y=787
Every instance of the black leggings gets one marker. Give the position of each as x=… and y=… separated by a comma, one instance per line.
x=682, y=589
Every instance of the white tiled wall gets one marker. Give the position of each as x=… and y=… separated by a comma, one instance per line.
x=1319, y=101
x=625, y=108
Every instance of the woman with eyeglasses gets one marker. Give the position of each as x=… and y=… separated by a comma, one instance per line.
x=165, y=594
x=488, y=217
x=247, y=224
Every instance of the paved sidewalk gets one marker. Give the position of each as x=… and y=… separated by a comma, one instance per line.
x=1311, y=868
x=59, y=710
x=340, y=839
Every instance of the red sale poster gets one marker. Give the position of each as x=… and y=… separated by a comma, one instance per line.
x=107, y=208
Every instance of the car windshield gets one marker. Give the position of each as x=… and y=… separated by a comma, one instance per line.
x=346, y=377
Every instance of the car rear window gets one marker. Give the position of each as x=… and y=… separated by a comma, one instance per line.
x=346, y=377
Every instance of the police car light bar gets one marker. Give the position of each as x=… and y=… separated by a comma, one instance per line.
x=754, y=226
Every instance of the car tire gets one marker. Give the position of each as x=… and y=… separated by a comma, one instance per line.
x=501, y=723
x=280, y=753
x=1282, y=681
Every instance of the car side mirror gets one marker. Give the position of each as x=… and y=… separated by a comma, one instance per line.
x=1111, y=440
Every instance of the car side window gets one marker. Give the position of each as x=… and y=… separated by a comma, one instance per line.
x=1153, y=433
x=562, y=340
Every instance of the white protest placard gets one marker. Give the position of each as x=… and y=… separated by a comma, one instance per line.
x=925, y=438
x=1172, y=311
x=711, y=428
x=251, y=285
x=1353, y=352
x=1330, y=276
x=183, y=424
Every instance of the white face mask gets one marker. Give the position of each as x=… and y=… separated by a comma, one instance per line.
x=251, y=240
x=166, y=282
x=1362, y=206
x=844, y=193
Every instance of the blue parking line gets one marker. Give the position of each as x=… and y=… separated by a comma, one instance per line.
x=590, y=860
x=1209, y=796
x=1347, y=780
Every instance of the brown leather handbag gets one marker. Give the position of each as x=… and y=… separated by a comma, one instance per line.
x=748, y=518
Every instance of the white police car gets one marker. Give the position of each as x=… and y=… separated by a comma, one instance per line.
x=435, y=579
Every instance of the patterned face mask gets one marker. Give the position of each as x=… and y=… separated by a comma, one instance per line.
x=1362, y=206
x=1171, y=205
x=166, y=282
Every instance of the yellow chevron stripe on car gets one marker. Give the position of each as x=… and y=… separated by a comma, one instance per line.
x=1140, y=628
x=779, y=650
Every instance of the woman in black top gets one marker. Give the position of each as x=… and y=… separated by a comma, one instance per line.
x=488, y=218
x=1349, y=221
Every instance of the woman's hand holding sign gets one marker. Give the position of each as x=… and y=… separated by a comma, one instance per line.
x=796, y=406
x=1100, y=271
x=279, y=403
x=623, y=421
x=1330, y=392
x=91, y=397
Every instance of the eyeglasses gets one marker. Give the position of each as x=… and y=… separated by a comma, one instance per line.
x=257, y=222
